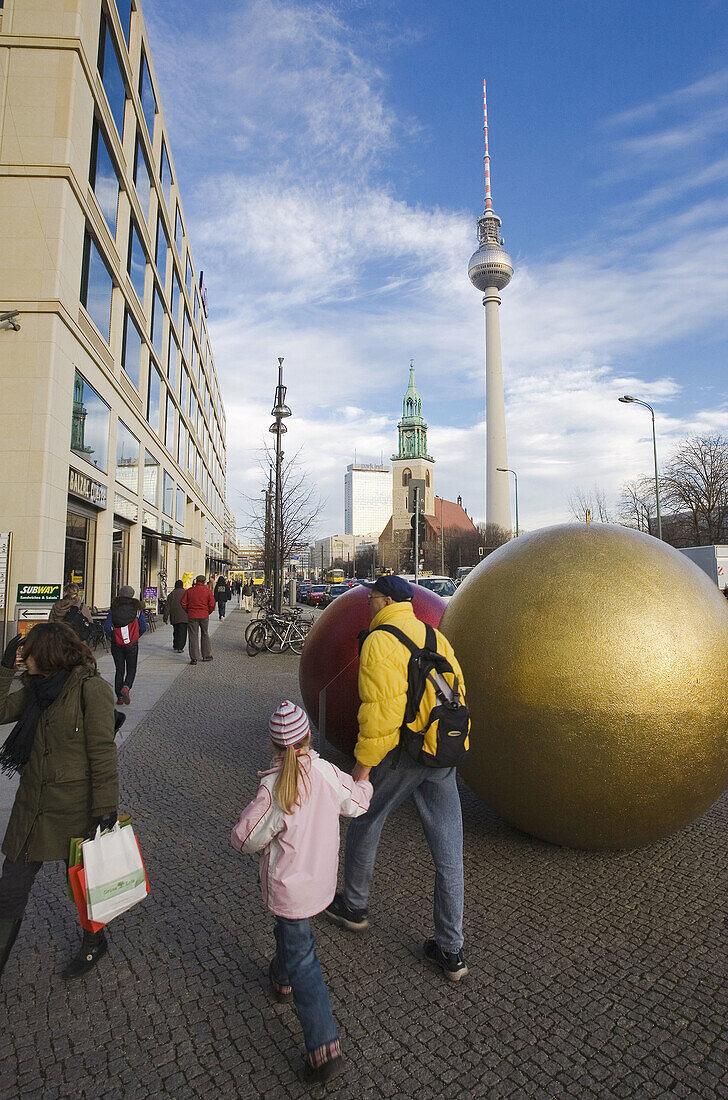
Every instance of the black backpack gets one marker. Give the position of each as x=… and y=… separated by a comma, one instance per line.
x=78, y=623
x=452, y=715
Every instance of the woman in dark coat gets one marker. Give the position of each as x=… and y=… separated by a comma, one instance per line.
x=63, y=746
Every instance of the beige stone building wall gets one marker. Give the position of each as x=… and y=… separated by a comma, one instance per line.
x=51, y=91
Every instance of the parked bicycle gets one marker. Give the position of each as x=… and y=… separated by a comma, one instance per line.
x=276, y=633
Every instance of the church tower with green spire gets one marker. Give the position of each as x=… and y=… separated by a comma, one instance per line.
x=412, y=460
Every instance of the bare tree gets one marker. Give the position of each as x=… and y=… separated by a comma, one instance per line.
x=592, y=500
x=694, y=488
x=301, y=507
x=637, y=505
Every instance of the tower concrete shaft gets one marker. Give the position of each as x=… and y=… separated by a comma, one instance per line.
x=497, y=488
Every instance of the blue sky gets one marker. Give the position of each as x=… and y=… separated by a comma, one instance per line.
x=330, y=160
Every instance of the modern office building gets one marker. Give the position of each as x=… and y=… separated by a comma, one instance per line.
x=367, y=500
x=333, y=548
x=112, y=426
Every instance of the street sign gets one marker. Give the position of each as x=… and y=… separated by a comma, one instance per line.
x=33, y=614
x=38, y=593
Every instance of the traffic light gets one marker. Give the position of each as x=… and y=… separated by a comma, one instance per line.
x=422, y=527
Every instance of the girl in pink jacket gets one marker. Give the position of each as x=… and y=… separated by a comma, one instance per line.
x=294, y=822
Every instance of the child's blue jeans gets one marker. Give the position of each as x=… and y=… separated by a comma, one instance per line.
x=296, y=964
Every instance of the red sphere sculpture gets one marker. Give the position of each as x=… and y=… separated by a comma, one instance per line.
x=329, y=670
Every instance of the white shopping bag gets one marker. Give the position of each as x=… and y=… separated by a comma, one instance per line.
x=115, y=876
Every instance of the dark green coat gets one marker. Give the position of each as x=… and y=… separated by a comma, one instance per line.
x=71, y=775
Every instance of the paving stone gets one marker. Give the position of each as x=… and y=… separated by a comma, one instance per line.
x=591, y=974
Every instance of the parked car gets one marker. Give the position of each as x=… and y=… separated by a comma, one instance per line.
x=302, y=590
x=334, y=590
x=441, y=586
x=315, y=594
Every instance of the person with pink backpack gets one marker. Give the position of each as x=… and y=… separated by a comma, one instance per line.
x=294, y=823
x=124, y=625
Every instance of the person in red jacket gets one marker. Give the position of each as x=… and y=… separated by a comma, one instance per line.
x=199, y=603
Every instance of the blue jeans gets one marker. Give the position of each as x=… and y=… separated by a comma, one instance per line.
x=221, y=605
x=435, y=794
x=296, y=964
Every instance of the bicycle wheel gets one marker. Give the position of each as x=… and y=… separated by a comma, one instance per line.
x=257, y=640
x=296, y=639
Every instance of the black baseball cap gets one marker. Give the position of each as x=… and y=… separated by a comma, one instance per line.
x=397, y=588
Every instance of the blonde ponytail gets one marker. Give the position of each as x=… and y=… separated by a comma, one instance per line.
x=287, y=787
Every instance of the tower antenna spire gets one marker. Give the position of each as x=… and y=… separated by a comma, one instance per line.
x=486, y=158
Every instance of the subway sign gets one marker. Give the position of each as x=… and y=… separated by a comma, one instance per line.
x=38, y=593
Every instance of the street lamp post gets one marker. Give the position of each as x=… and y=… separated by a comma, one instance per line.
x=629, y=400
x=279, y=411
x=508, y=470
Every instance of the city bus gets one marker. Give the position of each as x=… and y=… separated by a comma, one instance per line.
x=255, y=576
x=334, y=576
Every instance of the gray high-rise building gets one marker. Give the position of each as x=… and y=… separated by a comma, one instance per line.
x=367, y=500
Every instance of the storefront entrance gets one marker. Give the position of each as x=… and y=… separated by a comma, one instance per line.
x=119, y=559
x=78, y=566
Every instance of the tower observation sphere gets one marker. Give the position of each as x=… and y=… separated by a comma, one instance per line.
x=490, y=266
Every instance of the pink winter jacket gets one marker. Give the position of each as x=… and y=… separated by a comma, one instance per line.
x=300, y=857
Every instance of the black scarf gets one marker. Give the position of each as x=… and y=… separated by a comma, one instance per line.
x=41, y=691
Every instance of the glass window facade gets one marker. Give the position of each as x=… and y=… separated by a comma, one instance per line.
x=151, y=479
x=124, y=9
x=158, y=323
x=103, y=177
x=89, y=425
x=182, y=445
x=176, y=295
x=127, y=458
x=96, y=286
x=172, y=360
x=167, y=494
x=169, y=425
x=147, y=96
x=165, y=174
x=136, y=263
x=142, y=177
x=154, y=397
x=131, y=351
x=179, y=233
x=160, y=256
x=188, y=275
x=111, y=74
x=180, y=506
x=185, y=390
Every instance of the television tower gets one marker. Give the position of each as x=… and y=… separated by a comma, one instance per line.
x=489, y=270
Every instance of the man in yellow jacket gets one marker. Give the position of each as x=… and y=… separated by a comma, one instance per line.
x=396, y=776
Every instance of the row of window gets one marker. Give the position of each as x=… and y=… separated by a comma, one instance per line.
x=90, y=441
x=96, y=294
x=106, y=182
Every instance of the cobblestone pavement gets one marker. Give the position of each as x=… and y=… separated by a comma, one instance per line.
x=592, y=975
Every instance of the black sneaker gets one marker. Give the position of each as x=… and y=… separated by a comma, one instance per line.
x=452, y=962
x=319, y=1074
x=339, y=912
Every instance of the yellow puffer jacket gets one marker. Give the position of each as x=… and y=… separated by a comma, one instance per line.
x=383, y=684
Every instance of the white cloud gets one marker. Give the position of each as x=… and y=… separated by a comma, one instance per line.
x=313, y=255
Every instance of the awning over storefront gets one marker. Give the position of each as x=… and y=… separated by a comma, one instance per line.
x=180, y=540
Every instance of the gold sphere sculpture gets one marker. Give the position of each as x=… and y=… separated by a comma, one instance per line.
x=596, y=665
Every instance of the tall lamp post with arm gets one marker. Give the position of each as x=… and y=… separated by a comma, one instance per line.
x=279, y=411
x=629, y=400
x=508, y=470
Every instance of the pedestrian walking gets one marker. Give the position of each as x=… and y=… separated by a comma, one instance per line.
x=294, y=823
x=72, y=610
x=248, y=596
x=63, y=747
x=125, y=625
x=236, y=588
x=383, y=691
x=222, y=594
x=175, y=614
x=199, y=603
